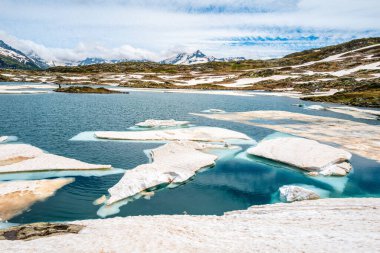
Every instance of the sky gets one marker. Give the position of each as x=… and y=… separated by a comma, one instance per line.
x=71, y=30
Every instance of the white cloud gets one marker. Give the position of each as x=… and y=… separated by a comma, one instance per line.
x=154, y=29
x=80, y=52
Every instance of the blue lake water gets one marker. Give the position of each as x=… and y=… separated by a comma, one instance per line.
x=48, y=121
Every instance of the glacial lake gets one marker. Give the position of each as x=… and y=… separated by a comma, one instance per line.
x=49, y=121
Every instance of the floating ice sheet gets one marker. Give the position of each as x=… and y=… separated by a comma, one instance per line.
x=54, y=174
x=336, y=183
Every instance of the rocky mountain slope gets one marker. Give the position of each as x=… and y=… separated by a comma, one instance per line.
x=11, y=58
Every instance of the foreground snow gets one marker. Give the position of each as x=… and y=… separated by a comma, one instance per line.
x=345, y=225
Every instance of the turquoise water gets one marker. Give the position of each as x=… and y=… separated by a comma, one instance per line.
x=48, y=121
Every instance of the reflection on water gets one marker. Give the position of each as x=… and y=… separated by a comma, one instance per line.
x=49, y=121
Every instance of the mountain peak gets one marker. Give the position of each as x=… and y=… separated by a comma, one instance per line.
x=195, y=58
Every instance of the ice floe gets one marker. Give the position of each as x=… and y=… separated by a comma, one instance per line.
x=305, y=154
x=27, y=158
x=356, y=137
x=203, y=134
x=315, y=107
x=172, y=164
x=214, y=111
x=155, y=123
x=17, y=196
x=5, y=139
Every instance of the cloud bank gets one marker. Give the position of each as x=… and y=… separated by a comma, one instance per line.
x=116, y=29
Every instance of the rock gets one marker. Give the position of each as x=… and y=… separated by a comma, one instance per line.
x=151, y=123
x=313, y=173
x=341, y=169
x=175, y=162
x=204, y=134
x=38, y=230
x=303, y=153
x=291, y=193
x=17, y=196
x=26, y=158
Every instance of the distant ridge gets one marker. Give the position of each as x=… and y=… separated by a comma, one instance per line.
x=196, y=58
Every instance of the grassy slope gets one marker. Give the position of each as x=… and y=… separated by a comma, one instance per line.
x=9, y=63
x=366, y=95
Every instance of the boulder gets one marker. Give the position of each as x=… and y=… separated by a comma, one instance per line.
x=291, y=193
x=38, y=230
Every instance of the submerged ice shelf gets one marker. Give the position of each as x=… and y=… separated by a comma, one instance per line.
x=336, y=184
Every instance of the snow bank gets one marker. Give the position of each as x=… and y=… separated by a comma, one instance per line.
x=26, y=158
x=356, y=112
x=17, y=196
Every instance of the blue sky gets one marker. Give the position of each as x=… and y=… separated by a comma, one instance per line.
x=64, y=30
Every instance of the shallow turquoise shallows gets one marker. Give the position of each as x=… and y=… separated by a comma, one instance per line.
x=48, y=121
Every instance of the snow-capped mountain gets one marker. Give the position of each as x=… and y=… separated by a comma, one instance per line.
x=195, y=58
x=41, y=63
x=15, y=59
x=95, y=60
